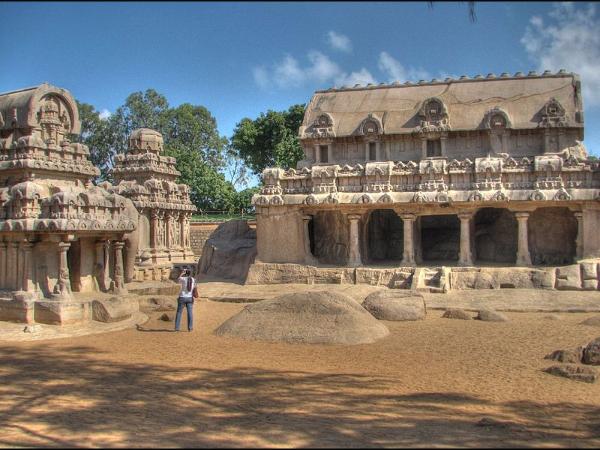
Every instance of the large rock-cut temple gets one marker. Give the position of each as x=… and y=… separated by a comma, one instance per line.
x=437, y=185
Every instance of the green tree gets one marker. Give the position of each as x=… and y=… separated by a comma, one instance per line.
x=270, y=140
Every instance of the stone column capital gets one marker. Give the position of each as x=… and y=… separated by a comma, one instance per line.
x=522, y=215
x=408, y=216
x=118, y=245
x=353, y=217
x=465, y=215
x=307, y=217
x=64, y=246
x=578, y=215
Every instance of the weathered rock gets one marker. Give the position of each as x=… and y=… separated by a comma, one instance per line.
x=396, y=305
x=489, y=315
x=493, y=423
x=167, y=317
x=113, y=309
x=573, y=372
x=591, y=321
x=456, y=313
x=319, y=317
x=31, y=329
x=568, y=278
x=573, y=355
x=229, y=251
x=591, y=353
x=552, y=317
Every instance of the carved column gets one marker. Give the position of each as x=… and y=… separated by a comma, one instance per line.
x=308, y=256
x=423, y=147
x=378, y=151
x=317, y=153
x=20, y=267
x=168, y=231
x=523, y=256
x=154, y=229
x=63, y=284
x=443, y=139
x=388, y=151
x=466, y=256
x=329, y=153
x=579, y=241
x=367, y=152
x=27, y=282
x=408, y=254
x=3, y=265
x=119, y=272
x=11, y=266
x=182, y=239
x=354, y=259
x=101, y=265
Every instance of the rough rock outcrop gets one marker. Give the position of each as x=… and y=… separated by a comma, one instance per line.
x=591, y=353
x=489, y=315
x=396, y=305
x=573, y=372
x=319, y=317
x=572, y=355
x=229, y=251
x=113, y=309
x=456, y=313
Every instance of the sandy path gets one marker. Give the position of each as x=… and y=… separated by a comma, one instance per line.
x=427, y=384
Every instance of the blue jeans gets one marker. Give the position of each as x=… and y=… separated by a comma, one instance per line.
x=189, y=304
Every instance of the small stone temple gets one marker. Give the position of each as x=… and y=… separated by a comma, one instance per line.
x=63, y=239
x=460, y=183
x=148, y=179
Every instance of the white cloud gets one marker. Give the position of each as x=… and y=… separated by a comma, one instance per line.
x=363, y=76
x=104, y=114
x=288, y=73
x=568, y=39
x=339, y=41
x=322, y=68
x=261, y=76
x=397, y=72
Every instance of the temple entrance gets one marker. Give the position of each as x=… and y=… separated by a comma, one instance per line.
x=74, y=264
x=385, y=236
x=440, y=238
x=330, y=237
x=552, y=236
x=496, y=236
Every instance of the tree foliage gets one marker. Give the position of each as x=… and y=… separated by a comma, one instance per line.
x=190, y=134
x=271, y=140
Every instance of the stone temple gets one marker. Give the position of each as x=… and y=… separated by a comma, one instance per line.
x=464, y=183
x=63, y=239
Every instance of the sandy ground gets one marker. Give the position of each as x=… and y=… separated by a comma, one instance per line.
x=428, y=384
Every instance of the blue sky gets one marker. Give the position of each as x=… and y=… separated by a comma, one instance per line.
x=239, y=59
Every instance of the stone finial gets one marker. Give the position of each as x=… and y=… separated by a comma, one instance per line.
x=532, y=73
x=504, y=75
x=146, y=139
x=519, y=74
x=491, y=75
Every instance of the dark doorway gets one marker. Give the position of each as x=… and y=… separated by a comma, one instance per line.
x=385, y=236
x=330, y=237
x=552, y=236
x=440, y=238
x=496, y=236
x=74, y=264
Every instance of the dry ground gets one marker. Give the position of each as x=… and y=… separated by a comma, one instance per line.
x=428, y=384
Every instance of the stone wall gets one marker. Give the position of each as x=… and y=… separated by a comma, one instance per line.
x=201, y=231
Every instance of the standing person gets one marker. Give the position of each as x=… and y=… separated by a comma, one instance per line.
x=186, y=297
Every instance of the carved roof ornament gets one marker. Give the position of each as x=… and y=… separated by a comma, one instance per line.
x=497, y=119
x=434, y=116
x=553, y=115
x=322, y=127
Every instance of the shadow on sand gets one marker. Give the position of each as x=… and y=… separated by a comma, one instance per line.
x=72, y=397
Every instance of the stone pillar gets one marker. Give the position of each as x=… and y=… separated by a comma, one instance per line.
x=317, y=153
x=182, y=231
x=388, y=151
x=408, y=255
x=378, y=151
x=20, y=267
x=579, y=253
x=101, y=265
x=3, y=265
x=168, y=231
x=11, y=266
x=423, y=147
x=443, y=139
x=367, y=152
x=523, y=256
x=63, y=284
x=27, y=281
x=329, y=153
x=466, y=256
x=118, y=278
x=310, y=259
x=153, y=229
x=354, y=259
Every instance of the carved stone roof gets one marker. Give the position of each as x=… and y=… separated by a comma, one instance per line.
x=19, y=109
x=466, y=102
